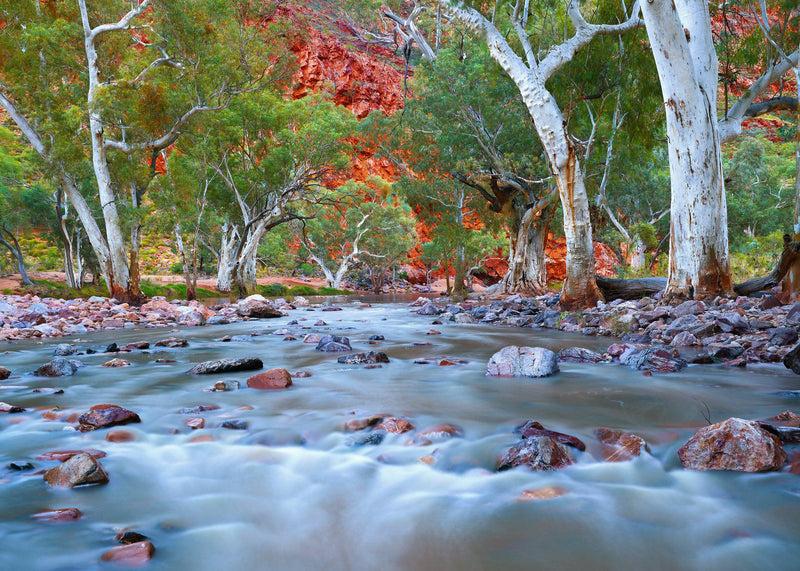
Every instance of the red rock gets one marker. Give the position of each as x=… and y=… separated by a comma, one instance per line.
x=537, y=453
x=617, y=446
x=63, y=455
x=786, y=418
x=734, y=444
x=394, y=425
x=133, y=554
x=59, y=516
x=105, y=415
x=277, y=378
x=433, y=332
x=195, y=422
x=532, y=428
x=202, y=438
x=362, y=423
x=120, y=436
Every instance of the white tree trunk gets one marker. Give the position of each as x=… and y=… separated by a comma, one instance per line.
x=527, y=271
x=680, y=36
x=225, y=262
x=245, y=273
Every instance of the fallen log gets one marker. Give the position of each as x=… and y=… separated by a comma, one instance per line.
x=642, y=287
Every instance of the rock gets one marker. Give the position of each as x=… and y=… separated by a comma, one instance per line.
x=394, y=425
x=636, y=339
x=578, y=355
x=195, y=422
x=652, y=360
x=546, y=493
x=727, y=352
x=20, y=466
x=172, y=343
x=64, y=350
x=786, y=418
x=371, y=439
x=377, y=338
x=271, y=379
x=732, y=322
x=683, y=339
x=364, y=358
x=226, y=366
x=80, y=470
x=769, y=302
x=128, y=537
x=257, y=307
x=333, y=344
x=4, y=373
x=464, y=318
x=120, y=436
x=131, y=555
x=516, y=361
x=5, y=407
x=58, y=367
x=226, y=385
x=691, y=307
x=734, y=444
x=105, y=415
x=217, y=320
x=117, y=363
x=439, y=433
x=429, y=309
x=618, y=446
x=235, y=424
x=59, y=516
x=136, y=345
x=63, y=455
x=531, y=428
x=198, y=409
x=782, y=336
x=537, y=453
x=792, y=359
x=362, y=423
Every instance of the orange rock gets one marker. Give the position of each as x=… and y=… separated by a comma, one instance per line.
x=394, y=425
x=59, y=516
x=120, y=436
x=132, y=555
x=547, y=493
x=272, y=379
x=195, y=422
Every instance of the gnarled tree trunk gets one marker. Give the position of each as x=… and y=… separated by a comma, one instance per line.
x=527, y=270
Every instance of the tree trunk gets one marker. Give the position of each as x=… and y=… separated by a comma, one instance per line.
x=185, y=266
x=16, y=251
x=244, y=266
x=680, y=36
x=527, y=271
x=225, y=261
x=66, y=240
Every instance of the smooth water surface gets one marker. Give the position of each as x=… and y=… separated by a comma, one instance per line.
x=295, y=491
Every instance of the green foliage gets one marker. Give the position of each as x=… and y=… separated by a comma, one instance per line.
x=273, y=290
x=302, y=290
x=174, y=291
x=757, y=257
x=333, y=291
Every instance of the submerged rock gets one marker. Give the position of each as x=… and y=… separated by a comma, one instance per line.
x=537, y=453
x=364, y=358
x=516, y=361
x=130, y=555
x=5, y=407
x=59, y=516
x=394, y=425
x=652, y=360
x=532, y=428
x=172, y=343
x=105, y=415
x=79, y=470
x=618, y=446
x=734, y=444
x=226, y=366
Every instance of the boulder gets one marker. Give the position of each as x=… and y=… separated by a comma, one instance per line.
x=172, y=343
x=683, y=339
x=516, y=361
x=734, y=444
x=782, y=336
x=117, y=363
x=439, y=433
x=732, y=322
x=271, y=379
x=226, y=366
x=5, y=407
x=104, y=416
x=64, y=350
x=364, y=358
x=217, y=320
x=4, y=373
x=333, y=344
x=618, y=446
x=652, y=360
x=578, y=355
x=429, y=309
x=537, y=453
x=257, y=307
x=79, y=470
x=792, y=359
x=531, y=428
x=691, y=307
x=58, y=367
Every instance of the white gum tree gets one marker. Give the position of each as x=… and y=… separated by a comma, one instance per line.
x=530, y=70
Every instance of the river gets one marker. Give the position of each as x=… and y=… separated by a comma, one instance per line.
x=296, y=491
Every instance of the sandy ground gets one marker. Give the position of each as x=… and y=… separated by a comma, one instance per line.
x=13, y=281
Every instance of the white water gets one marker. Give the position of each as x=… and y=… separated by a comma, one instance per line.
x=291, y=492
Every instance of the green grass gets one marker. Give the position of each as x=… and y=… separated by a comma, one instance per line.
x=302, y=290
x=46, y=288
x=333, y=291
x=173, y=291
x=273, y=290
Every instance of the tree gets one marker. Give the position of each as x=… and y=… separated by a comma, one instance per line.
x=129, y=80
x=530, y=73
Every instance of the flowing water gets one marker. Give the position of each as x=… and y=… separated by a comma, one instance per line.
x=295, y=491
